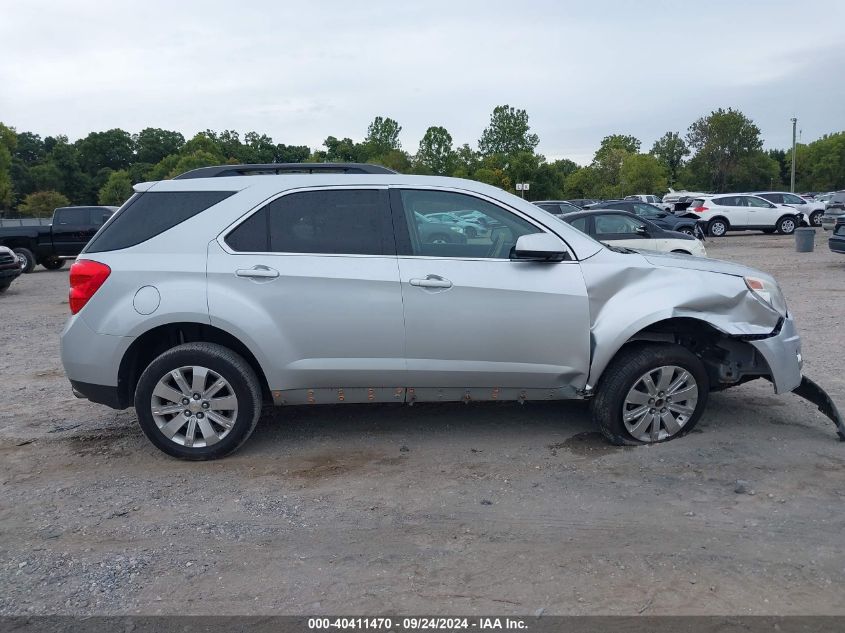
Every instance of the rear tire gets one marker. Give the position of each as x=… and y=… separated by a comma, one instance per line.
x=619, y=391
x=219, y=429
x=53, y=263
x=786, y=225
x=27, y=259
x=717, y=227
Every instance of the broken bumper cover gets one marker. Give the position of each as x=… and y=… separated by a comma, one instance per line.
x=783, y=355
x=812, y=392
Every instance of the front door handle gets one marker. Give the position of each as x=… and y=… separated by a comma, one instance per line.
x=262, y=272
x=431, y=281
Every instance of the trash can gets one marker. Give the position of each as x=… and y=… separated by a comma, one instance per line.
x=805, y=239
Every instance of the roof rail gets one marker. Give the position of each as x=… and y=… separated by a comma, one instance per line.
x=219, y=171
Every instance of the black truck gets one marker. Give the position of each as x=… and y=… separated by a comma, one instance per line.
x=51, y=244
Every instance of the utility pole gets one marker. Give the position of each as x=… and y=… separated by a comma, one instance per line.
x=792, y=180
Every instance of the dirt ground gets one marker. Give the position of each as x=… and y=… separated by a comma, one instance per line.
x=436, y=509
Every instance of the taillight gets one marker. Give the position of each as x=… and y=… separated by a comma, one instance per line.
x=86, y=277
x=700, y=209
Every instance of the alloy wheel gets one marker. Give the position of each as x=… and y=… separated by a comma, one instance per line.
x=194, y=406
x=660, y=403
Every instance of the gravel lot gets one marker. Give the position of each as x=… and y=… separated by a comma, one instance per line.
x=446, y=509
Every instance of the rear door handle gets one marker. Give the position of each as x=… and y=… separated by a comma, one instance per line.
x=431, y=281
x=262, y=272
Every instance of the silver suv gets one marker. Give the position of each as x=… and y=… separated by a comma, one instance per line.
x=208, y=295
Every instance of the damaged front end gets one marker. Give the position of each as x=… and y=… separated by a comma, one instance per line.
x=732, y=317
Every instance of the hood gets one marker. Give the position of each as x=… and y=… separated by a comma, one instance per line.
x=676, y=260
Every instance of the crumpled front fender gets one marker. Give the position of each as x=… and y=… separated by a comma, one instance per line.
x=628, y=294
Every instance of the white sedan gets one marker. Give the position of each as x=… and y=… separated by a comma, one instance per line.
x=620, y=228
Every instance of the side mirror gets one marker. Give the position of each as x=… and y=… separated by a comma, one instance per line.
x=641, y=230
x=539, y=247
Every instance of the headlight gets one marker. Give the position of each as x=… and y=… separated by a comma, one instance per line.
x=457, y=229
x=767, y=292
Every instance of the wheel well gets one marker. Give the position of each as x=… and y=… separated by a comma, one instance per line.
x=729, y=360
x=154, y=342
x=719, y=217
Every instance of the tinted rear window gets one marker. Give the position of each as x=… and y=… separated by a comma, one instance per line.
x=148, y=214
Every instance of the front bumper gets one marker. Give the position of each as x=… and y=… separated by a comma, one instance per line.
x=10, y=273
x=783, y=356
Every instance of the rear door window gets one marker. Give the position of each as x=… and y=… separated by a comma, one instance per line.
x=325, y=221
x=580, y=224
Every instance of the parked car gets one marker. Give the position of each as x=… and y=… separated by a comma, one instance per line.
x=434, y=232
x=676, y=201
x=837, y=240
x=206, y=296
x=582, y=202
x=50, y=245
x=835, y=210
x=811, y=209
x=741, y=212
x=620, y=228
x=10, y=268
x=825, y=197
x=643, y=197
x=557, y=207
x=471, y=227
x=655, y=215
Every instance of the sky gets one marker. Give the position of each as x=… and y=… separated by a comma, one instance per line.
x=301, y=71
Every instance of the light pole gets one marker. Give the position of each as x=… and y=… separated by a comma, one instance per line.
x=792, y=180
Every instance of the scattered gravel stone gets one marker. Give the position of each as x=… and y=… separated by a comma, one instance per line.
x=743, y=487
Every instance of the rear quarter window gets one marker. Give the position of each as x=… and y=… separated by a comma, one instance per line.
x=151, y=213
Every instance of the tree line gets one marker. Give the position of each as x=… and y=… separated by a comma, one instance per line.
x=719, y=152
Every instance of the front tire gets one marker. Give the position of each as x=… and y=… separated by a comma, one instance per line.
x=26, y=258
x=786, y=225
x=687, y=230
x=717, y=227
x=198, y=401
x=650, y=393
x=816, y=218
